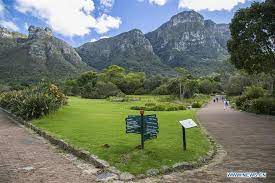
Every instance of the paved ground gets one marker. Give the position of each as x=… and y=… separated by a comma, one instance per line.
x=248, y=139
x=24, y=157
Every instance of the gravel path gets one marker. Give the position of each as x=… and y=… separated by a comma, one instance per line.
x=249, y=141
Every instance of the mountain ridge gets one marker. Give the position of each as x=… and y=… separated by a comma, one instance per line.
x=186, y=40
x=37, y=56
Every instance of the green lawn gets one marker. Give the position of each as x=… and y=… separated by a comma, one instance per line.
x=89, y=124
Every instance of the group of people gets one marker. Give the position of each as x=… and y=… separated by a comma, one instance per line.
x=225, y=102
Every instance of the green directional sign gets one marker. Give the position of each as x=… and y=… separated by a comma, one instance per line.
x=145, y=125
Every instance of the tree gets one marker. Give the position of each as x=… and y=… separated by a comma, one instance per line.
x=206, y=86
x=87, y=77
x=252, y=43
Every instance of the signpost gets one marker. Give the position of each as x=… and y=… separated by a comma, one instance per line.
x=145, y=125
x=189, y=123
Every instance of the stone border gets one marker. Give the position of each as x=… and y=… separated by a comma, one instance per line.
x=108, y=172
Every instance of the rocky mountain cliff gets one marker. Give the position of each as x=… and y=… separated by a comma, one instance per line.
x=36, y=56
x=190, y=41
x=186, y=40
x=130, y=50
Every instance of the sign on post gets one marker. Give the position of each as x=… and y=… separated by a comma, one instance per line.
x=145, y=125
x=188, y=123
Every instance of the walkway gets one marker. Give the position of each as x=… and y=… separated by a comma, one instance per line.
x=25, y=157
x=248, y=139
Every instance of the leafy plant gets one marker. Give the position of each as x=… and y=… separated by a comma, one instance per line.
x=33, y=102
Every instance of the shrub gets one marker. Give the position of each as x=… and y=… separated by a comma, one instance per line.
x=159, y=107
x=263, y=105
x=161, y=90
x=181, y=107
x=33, y=102
x=240, y=101
x=150, y=104
x=99, y=90
x=254, y=92
x=196, y=105
x=140, y=91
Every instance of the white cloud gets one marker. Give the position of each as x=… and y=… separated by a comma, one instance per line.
x=107, y=3
x=9, y=25
x=158, y=2
x=26, y=26
x=209, y=4
x=106, y=22
x=103, y=37
x=93, y=40
x=2, y=8
x=68, y=17
x=3, y=20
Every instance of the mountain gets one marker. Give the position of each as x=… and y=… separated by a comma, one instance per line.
x=131, y=50
x=36, y=56
x=187, y=40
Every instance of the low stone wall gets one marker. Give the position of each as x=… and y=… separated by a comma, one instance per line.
x=112, y=172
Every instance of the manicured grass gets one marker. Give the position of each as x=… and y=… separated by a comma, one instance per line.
x=89, y=124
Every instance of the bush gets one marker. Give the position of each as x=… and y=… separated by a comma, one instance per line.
x=240, y=101
x=99, y=90
x=122, y=99
x=196, y=105
x=140, y=91
x=263, y=105
x=150, y=104
x=161, y=90
x=254, y=92
x=33, y=102
x=159, y=107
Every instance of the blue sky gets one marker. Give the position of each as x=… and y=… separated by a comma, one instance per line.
x=80, y=21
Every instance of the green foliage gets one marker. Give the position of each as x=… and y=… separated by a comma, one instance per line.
x=87, y=77
x=254, y=92
x=196, y=105
x=252, y=38
x=237, y=84
x=159, y=107
x=254, y=99
x=206, y=86
x=99, y=90
x=263, y=105
x=123, y=99
x=33, y=102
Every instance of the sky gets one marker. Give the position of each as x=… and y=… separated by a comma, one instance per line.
x=81, y=21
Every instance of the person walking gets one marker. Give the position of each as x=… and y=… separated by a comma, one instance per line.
x=217, y=99
x=225, y=104
x=214, y=100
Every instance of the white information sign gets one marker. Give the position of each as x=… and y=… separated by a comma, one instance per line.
x=188, y=123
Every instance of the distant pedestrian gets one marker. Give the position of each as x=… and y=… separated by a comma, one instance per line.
x=217, y=99
x=222, y=98
x=225, y=104
x=214, y=100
